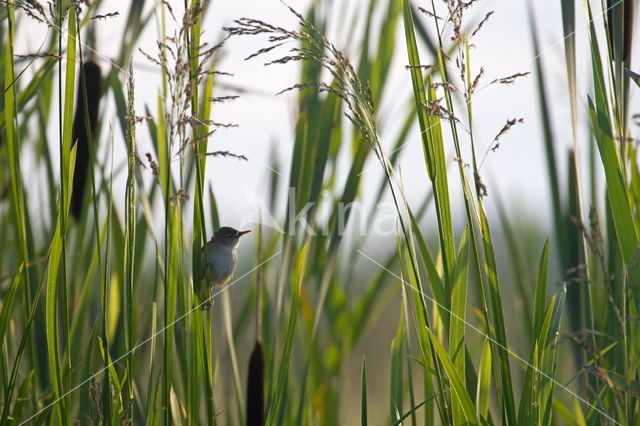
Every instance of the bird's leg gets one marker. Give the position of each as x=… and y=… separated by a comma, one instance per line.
x=208, y=301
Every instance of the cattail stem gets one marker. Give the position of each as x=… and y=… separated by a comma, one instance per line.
x=255, y=387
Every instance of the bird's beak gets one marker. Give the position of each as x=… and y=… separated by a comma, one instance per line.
x=241, y=233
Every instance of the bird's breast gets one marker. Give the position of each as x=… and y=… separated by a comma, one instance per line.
x=223, y=263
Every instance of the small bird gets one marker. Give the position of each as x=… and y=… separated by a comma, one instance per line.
x=219, y=260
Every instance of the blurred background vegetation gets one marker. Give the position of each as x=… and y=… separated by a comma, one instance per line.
x=357, y=300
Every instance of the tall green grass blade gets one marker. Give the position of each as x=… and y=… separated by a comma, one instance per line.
x=12, y=142
x=130, y=244
x=569, y=29
x=397, y=372
x=8, y=304
x=467, y=413
x=151, y=416
x=5, y=313
x=116, y=404
x=327, y=135
x=541, y=290
x=483, y=391
x=502, y=359
x=459, y=306
x=412, y=411
x=578, y=416
x=52, y=296
x=84, y=300
x=548, y=358
x=199, y=224
x=36, y=86
x=21, y=224
x=18, y=359
x=428, y=360
x=84, y=413
x=616, y=190
x=23, y=395
x=579, y=295
x=66, y=177
x=170, y=306
x=105, y=291
x=431, y=135
x=435, y=281
x=235, y=370
x=582, y=314
x=277, y=400
x=527, y=412
x=617, y=196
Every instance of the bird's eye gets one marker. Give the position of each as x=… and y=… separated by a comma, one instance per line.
x=230, y=236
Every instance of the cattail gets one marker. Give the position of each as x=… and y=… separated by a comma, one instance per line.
x=92, y=79
x=625, y=8
x=255, y=387
x=611, y=32
x=628, y=29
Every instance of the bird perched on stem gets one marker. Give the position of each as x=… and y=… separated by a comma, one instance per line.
x=219, y=260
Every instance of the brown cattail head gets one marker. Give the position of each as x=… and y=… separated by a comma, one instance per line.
x=628, y=29
x=623, y=9
x=611, y=30
x=255, y=387
x=92, y=79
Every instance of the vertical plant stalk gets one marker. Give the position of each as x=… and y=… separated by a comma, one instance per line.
x=106, y=399
x=569, y=29
x=57, y=274
x=130, y=235
x=164, y=144
x=84, y=131
x=168, y=341
x=433, y=148
x=10, y=108
x=619, y=26
x=85, y=127
x=199, y=239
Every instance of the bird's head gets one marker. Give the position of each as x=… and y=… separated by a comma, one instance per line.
x=228, y=236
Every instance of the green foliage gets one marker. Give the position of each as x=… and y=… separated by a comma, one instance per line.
x=101, y=319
